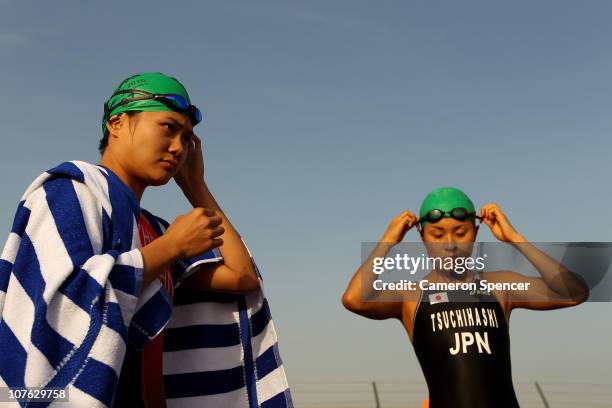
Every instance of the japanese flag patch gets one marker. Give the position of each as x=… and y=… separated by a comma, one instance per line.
x=441, y=297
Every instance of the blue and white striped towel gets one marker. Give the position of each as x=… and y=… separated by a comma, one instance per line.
x=70, y=277
x=221, y=351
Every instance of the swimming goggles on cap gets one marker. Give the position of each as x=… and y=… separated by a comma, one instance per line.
x=175, y=102
x=459, y=213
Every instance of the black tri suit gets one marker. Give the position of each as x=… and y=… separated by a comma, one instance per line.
x=462, y=342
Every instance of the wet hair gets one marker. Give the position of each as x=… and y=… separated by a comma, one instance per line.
x=104, y=141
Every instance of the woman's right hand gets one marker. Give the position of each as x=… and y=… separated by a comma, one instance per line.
x=398, y=227
x=194, y=233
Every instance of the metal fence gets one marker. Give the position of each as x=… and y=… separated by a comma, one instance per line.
x=402, y=394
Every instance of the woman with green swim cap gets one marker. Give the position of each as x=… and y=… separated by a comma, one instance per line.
x=460, y=335
x=148, y=140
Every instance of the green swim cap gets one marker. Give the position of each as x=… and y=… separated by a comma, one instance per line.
x=153, y=82
x=445, y=199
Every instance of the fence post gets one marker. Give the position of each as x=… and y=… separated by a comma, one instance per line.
x=376, y=394
x=542, y=395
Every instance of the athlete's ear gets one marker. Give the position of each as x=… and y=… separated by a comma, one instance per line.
x=476, y=231
x=115, y=123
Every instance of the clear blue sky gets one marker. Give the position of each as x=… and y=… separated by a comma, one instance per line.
x=324, y=119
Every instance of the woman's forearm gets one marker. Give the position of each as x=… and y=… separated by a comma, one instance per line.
x=234, y=252
x=364, y=277
x=156, y=256
x=556, y=276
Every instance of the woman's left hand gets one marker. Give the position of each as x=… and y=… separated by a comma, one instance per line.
x=190, y=176
x=497, y=221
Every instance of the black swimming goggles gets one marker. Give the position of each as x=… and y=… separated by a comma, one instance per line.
x=459, y=213
x=175, y=102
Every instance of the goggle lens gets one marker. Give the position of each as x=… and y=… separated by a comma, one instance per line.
x=195, y=115
x=434, y=216
x=179, y=103
x=459, y=214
